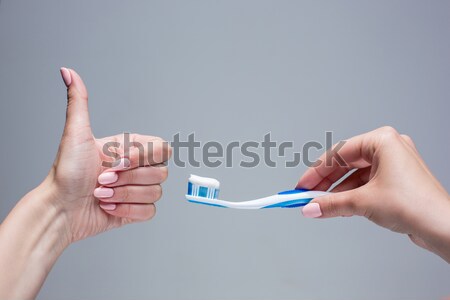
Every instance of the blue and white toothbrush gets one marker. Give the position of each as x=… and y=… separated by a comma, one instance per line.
x=203, y=190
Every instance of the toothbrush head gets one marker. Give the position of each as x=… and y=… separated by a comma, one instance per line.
x=203, y=187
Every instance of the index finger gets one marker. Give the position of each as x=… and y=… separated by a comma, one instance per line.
x=129, y=151
x=357, y=152
x=147, y=151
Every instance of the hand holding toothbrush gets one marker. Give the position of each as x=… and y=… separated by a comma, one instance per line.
x=392, y=187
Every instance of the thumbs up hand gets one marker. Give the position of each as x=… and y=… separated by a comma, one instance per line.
x=94, y=185
x=98, y=191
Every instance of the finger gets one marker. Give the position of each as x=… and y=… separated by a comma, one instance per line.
x=357, y=152
x=139, y=150
x=129, y=193
x=335, y=204
x=147, y=151
x=329, y=180
x=350, y=153
x=133, y=212
x=116, y=166
x=410, y=143
x=355, y=180
x=408, y=140
x=77, y=115
x=139, y=176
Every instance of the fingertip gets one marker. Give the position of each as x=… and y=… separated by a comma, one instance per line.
x=66, y=76
x=107, y=206
x=309, y=179
x=312, y=210
x=304, y=183
x=77, y=83
x=108, y=178
x=103, y=192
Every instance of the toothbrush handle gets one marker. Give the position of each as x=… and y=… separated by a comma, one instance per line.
x=296, y=198
x=290, y=203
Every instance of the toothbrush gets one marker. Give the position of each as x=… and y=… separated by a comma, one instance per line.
x=203, y=190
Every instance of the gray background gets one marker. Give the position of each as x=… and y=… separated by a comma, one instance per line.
x=230, y=70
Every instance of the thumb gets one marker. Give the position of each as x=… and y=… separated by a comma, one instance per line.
x=343, y=204
x=77, y=115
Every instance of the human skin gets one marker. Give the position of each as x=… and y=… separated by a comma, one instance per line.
x=392, y=187
x=79, y=198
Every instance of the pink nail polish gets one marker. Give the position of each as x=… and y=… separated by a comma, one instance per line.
x=108, y=178
x=108, y=206
x=103, y=192
x=312, y=210
x=65, y=73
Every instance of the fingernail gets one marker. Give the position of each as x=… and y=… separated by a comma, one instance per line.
x=108, y=178
x=312, y=210
x=65, y=73
x=121, y=164
x=102, y=192
x=108, y=206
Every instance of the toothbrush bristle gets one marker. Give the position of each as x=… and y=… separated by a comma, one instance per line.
x=203, y=187
x=202, y=191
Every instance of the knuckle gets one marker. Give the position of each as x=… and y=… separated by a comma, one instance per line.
x=127, y=212
x=168, y=151
x=134, y=137
x=347, y=205
x=158, y=152
x=388, y=129
x=407, y=139
x=163, y=173
x=71, y=94
x=161, y=151
x=156, y=138
x=131, y=176
x=158, y=192
x=338, y=205
x=125, y=193
x=152, y=212
x=367, y=212
x=331, y=205
x=388, y=132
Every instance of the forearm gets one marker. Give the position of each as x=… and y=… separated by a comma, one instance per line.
x=31, y=239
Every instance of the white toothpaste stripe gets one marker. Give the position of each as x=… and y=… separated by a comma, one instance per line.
x=204, y=181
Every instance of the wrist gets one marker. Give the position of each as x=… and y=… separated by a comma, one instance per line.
x=48, y=214
x=437, y=233
x=32, y=238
